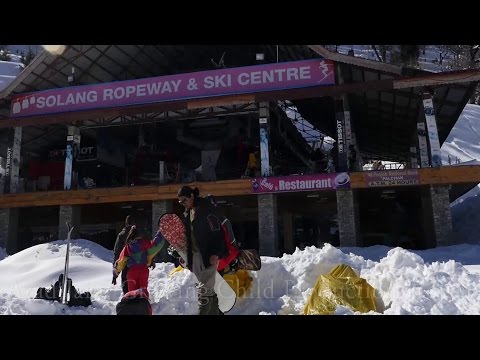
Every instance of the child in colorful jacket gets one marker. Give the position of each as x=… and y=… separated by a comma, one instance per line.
x=137, y=255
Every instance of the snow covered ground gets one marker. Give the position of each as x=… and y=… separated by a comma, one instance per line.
x=421, y=282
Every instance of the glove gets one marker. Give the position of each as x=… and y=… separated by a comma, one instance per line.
x=115, y=275
x=172, y=252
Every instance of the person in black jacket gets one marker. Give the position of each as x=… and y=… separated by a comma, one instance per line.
x=119, y=245
x=205, y=245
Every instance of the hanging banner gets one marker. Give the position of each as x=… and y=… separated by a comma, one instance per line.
x=422, y=144
x=17, y=142
x=71, y=155
x=232, y=81
x=8, y=162
x=432, y=131
x=295, y=183
x=12, y=162
x=264, y=147
x=341, y=138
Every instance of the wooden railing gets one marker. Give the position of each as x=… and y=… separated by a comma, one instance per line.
x=435, y=176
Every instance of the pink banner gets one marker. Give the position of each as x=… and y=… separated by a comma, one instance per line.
x=301, y=183
x=242, y=80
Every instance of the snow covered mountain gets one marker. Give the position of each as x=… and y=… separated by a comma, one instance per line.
x=463, y=142
x=9, y=70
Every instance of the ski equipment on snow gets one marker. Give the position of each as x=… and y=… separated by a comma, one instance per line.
x=65, y=284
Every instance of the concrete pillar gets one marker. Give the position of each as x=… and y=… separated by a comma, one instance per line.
x=288, y=243
x=71, y=214
x=348, y=217
x=267, y=224
x=9, y=229
x=442, y=217
x=158, y=209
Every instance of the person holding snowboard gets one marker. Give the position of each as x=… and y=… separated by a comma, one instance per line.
x=119, y=245
x=205, y=245
x=137, y=255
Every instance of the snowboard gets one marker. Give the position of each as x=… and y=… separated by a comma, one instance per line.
x=173, y=230
x=65, y=281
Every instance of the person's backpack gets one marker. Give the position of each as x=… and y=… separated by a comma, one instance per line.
x=229, y=236
x=134, y=303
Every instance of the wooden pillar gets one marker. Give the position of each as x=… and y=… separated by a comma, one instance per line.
x=268, y=224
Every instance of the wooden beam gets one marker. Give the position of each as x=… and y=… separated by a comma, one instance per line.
x=444, y=175
x=122, y=194
x=428, y=176
x=91, y=114
x=233, y=100
x=451, y=77
x=357, y=61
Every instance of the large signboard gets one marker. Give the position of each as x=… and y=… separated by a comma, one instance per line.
x=312, y=182
x=242, y=80
x=391, y=178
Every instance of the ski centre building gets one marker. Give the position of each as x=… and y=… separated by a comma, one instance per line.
x=347, y=150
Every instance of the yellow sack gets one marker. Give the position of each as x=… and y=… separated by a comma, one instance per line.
x=341, y=286
x=174, y=271
x=240, y=282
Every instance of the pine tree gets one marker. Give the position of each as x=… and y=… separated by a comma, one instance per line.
x=29, y=57
x=4, y=54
